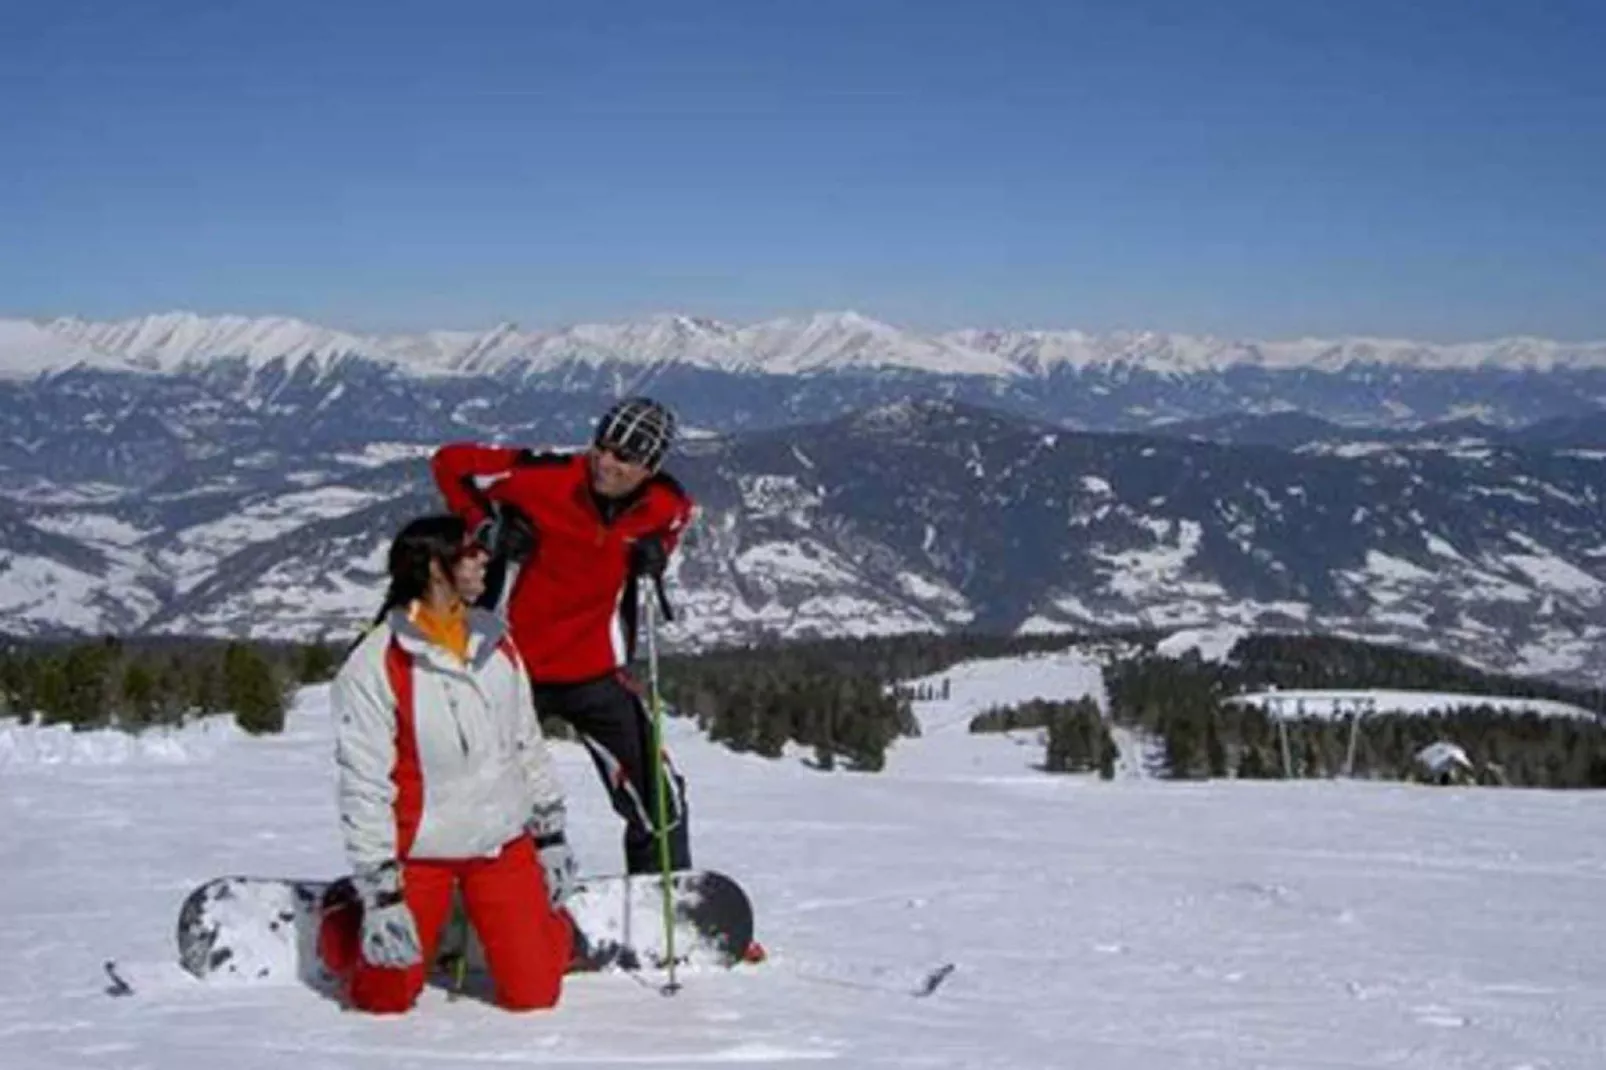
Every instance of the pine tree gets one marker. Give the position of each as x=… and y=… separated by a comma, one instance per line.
x=1181, y=746
x=1309, y=759
x=774, y=728
x=50, y=694
x=139, y=695
x=735, y=726
x=1215, y=750
x=13, y=681
x=318, y=663
x=204, y=684
x=1061, y=755
x=88, y=694
x=251, y=691
x=1109, y=753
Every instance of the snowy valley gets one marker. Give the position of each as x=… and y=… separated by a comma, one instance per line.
x=914, y=515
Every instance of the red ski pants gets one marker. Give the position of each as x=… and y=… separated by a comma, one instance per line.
x=527, y=944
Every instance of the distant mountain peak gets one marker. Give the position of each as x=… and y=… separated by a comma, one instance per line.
x=176, y=340
x=28, y=349
x=847, y=341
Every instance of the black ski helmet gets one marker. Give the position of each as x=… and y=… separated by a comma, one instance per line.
x=637, y=430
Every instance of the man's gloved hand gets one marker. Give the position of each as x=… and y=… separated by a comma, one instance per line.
x=389, y=934
x=546, y=828
x=648, y=558
x=506, y=531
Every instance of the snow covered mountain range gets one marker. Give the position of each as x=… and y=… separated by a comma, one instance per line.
x=825, y=341
x=768, y=373
x=257, y=498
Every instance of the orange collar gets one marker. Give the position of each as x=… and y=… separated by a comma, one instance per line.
x=448, y=630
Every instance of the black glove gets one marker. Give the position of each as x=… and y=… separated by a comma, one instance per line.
x=506, y=532
x=648, y=556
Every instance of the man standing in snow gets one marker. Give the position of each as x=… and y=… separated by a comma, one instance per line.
x=576, y=533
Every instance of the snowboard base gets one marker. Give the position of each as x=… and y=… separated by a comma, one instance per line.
x=266, y=929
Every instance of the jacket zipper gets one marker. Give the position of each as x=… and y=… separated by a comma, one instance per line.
x=457, y=718
x=604, y=525
x=604, y=522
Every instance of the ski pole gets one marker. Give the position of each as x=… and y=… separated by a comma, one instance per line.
x=661, y=795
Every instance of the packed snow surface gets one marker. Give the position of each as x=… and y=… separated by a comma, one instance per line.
x=1135, y=924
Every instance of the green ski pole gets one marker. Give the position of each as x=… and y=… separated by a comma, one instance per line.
x=661, y=801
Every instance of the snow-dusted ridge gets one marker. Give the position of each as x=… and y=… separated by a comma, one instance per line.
x=174, y=341
x=28, y=349
x=847, y=340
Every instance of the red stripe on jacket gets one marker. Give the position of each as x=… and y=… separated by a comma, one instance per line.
x=407, y=775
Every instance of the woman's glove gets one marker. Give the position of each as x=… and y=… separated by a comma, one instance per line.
x=389, y=934
x=546, y=828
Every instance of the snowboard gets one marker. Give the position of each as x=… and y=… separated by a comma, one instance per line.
x=266, y=929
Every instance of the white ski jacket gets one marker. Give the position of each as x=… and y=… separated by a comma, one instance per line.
x=436, y=759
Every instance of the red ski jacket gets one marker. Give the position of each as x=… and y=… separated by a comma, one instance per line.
x=572, y=606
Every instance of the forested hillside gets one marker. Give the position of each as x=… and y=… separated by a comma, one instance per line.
x=843, y=700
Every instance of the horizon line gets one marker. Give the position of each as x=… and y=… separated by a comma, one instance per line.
x=44, y=320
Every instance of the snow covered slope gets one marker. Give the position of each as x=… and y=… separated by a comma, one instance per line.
x=1134, y=925
x=30, y=746
x=1211, y=644
x=947, y=749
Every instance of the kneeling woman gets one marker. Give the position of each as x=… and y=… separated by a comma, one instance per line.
x=445, y=781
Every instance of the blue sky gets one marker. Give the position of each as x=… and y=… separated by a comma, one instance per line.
x=1424, y=168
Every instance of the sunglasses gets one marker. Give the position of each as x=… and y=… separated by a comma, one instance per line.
x=625, y=453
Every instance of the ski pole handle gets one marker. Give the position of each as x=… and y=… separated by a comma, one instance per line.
x=663, y=599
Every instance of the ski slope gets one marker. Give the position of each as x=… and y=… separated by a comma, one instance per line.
x=1136, y=924
x=947, y=751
